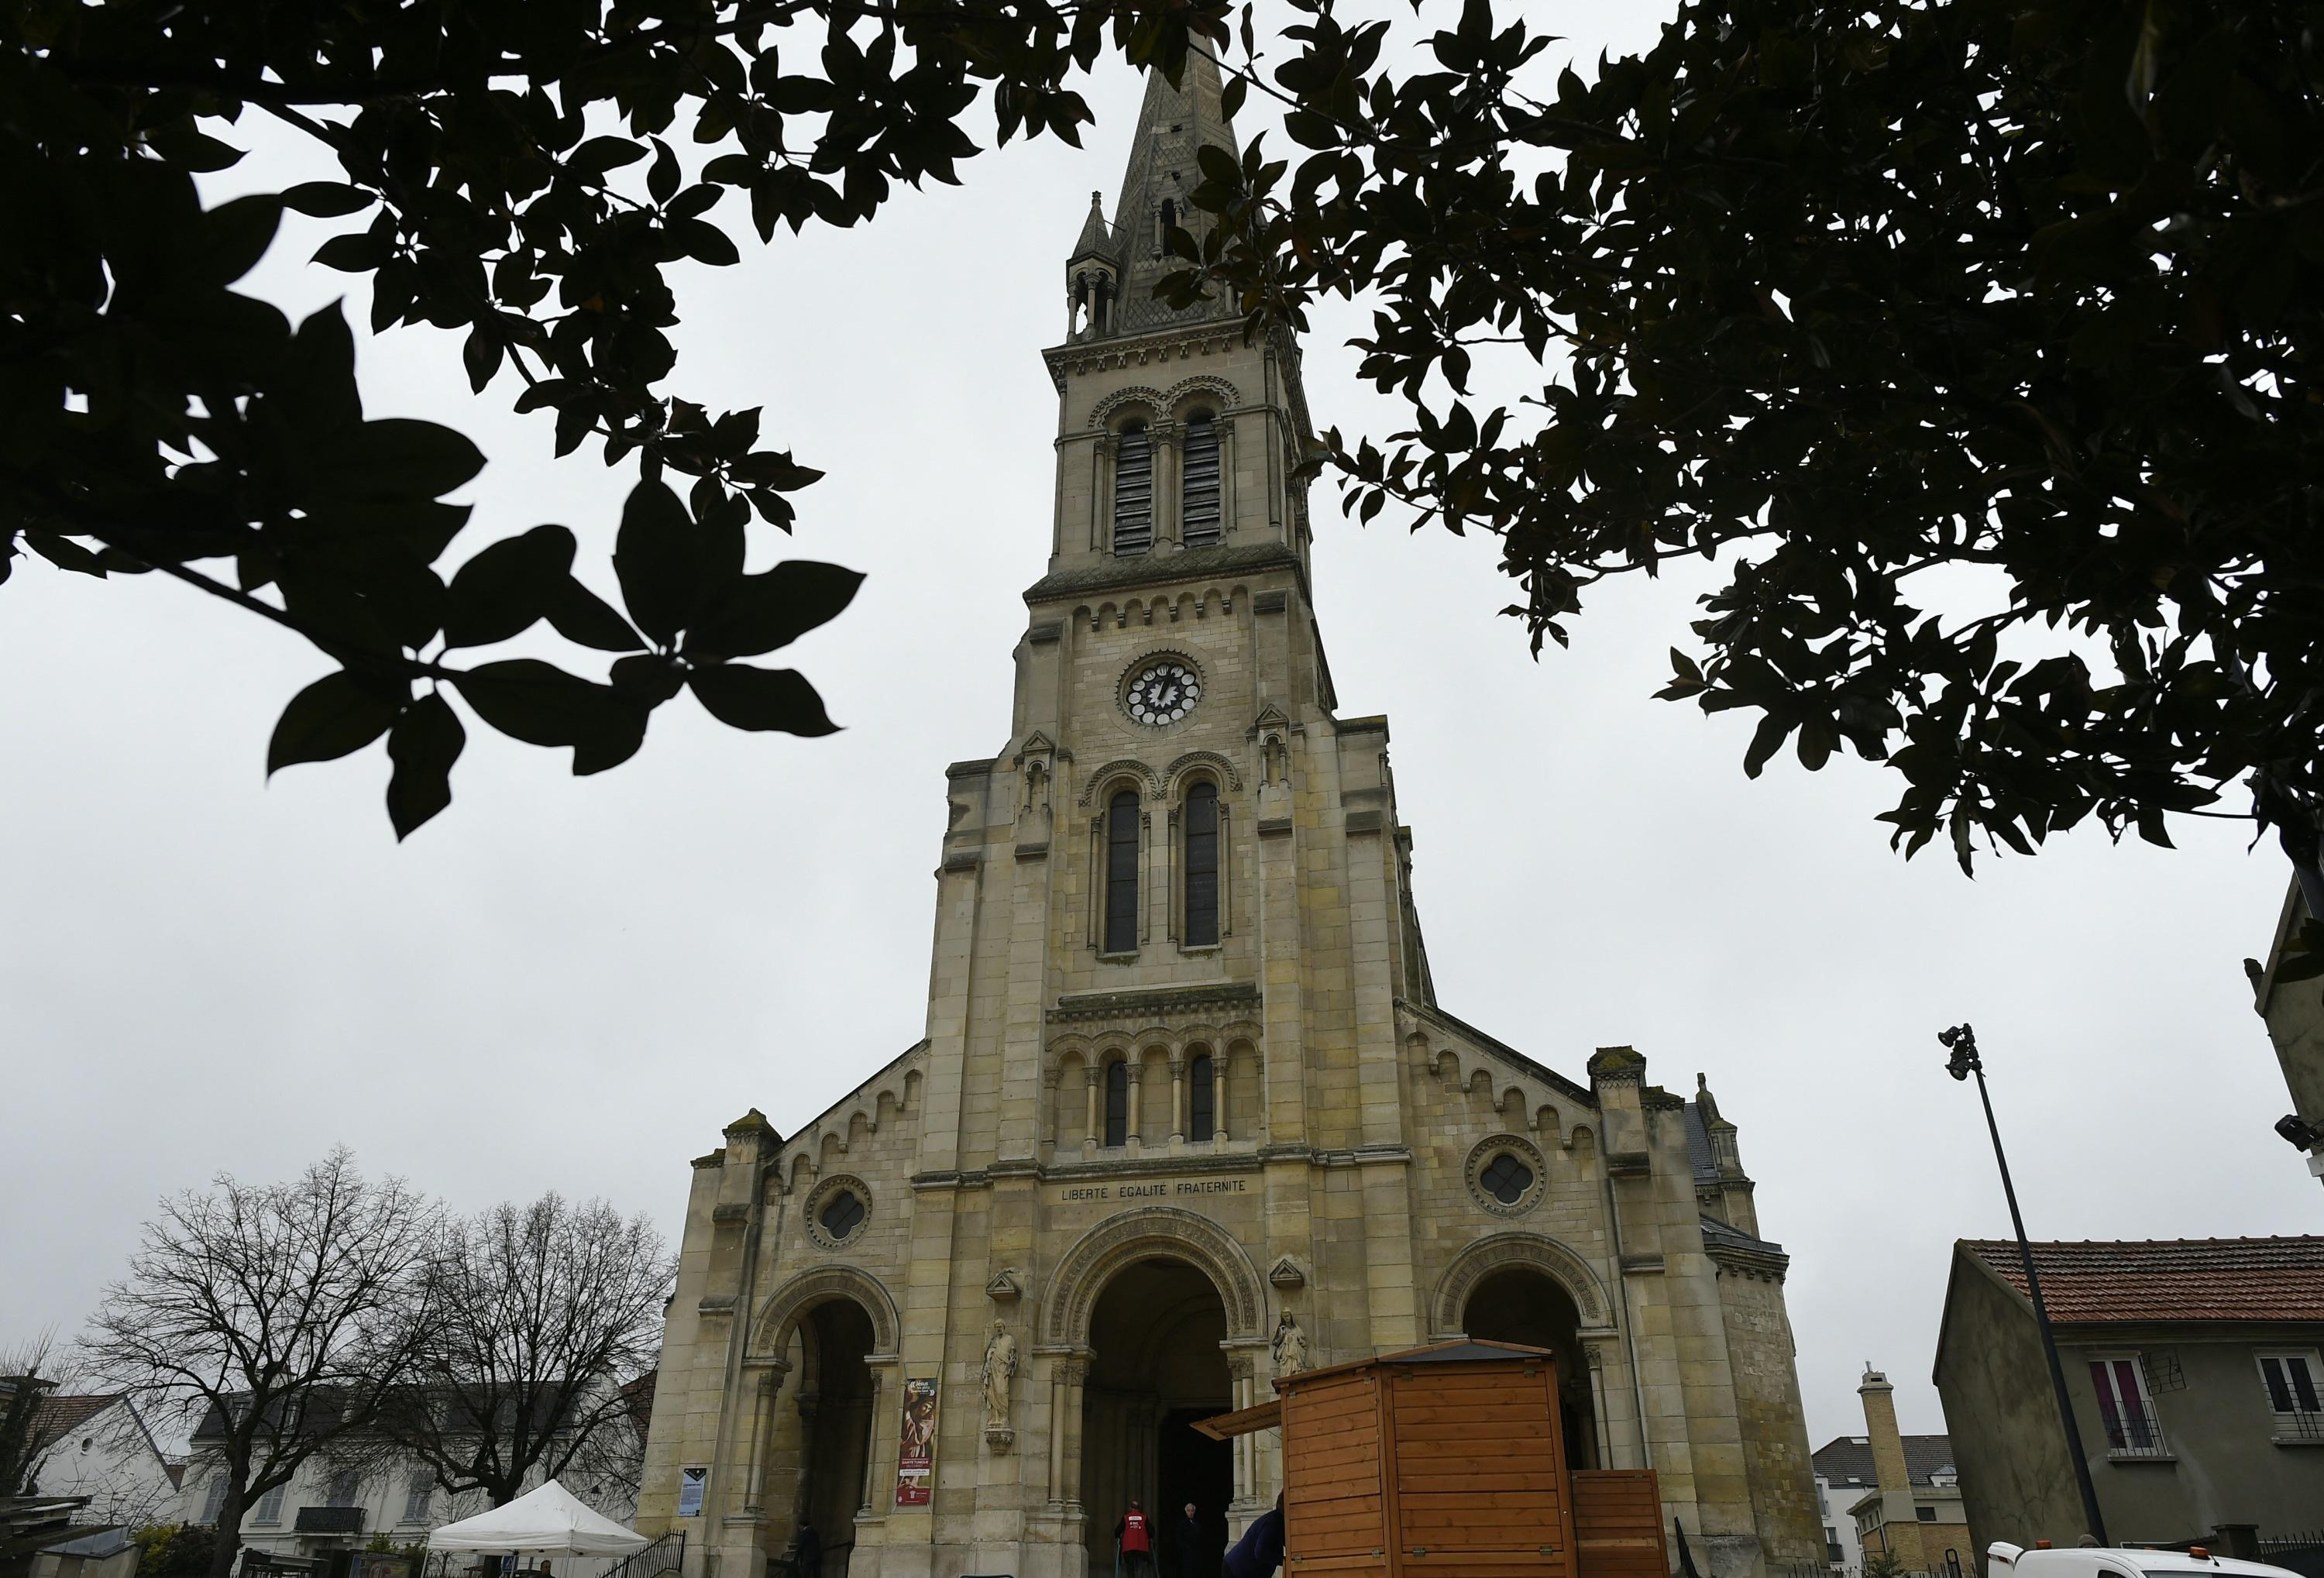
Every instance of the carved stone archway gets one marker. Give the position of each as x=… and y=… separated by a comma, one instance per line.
x=779, y=1317
x=1498, y=1251
x=1153, y=1233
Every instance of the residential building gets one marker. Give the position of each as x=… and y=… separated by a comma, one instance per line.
x=1845, y=1474
x=99, y=1447
x=2196, y=1378
x=2292, y=1005
x=1187, y=1115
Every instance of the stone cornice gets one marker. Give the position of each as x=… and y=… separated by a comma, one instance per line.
x=1194, y=563
x=1168, y=342
x=1147, y=1004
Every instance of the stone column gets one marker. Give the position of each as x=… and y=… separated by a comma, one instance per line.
x=1058, y=1382
x=1167, y=534
x=870, y=1451
x=1093, y=1134
x=1076, y=1371
x=762, y=1425
x=1594, y=1356
x=1136, y=1124
x=1179, y=1094
x=1222, y=1076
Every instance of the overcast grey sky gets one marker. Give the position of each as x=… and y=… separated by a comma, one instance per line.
x=573, y=984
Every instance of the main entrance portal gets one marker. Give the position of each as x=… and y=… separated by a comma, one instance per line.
x=1156, y=1368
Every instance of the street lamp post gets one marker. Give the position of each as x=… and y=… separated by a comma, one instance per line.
x=1965, y=1062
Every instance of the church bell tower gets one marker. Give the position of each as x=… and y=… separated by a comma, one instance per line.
x=1187, y=1117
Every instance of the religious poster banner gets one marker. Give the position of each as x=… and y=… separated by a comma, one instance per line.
x=916, y=1445
x=690, y=1482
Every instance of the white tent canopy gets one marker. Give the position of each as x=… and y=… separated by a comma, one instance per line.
x=549, y=1521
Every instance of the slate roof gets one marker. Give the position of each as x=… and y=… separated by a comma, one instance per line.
x=1698, y=1146
x=2169, y=1279
x=1717, y=1234
x=1846, y=1460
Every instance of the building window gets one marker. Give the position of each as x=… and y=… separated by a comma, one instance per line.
x=1926, y=1514
x=2292, y=1379
x=2131, y=1428
x=1198, y=510
x=1133, y=492
x=1506, y=1179
x=843, y=1215
x=1203, y=865
x=269, y=1506
x=1117, y=1102
x=1202, y=1099
x=1121, y=820
x=1832, y=1550
x=342, y=1492
x=422, y=1490
x=213, y=1503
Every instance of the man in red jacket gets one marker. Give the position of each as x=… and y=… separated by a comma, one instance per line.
x=1134, y=1538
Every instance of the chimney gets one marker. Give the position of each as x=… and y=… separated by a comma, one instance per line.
x=1880, y=1425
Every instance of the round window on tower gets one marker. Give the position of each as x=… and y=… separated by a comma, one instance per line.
x=836, y=1211
x=1506, y=1174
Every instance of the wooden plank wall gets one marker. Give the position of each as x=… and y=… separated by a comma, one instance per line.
x=1479, y=1480
x=1618, y=1519
x=1334, y=1517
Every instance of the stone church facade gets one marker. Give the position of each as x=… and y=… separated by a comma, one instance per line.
x=1188, y=1112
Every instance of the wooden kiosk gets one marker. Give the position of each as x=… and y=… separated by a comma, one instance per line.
x=1447, y=1461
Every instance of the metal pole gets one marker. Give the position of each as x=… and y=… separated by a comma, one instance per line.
x=1966, y=1062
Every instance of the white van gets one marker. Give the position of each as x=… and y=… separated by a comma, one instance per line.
x=2005, y=1560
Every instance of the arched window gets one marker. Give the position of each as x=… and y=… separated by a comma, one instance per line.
x=1117, y=1102
x=1202, y=1099
x=1203, y=865
x=1133, y=493
x=1121, y=873
x=1198, y=508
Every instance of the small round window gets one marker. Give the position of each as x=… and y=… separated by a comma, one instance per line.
x=837, y=1210
x=1505, y=1174
x=1506, y=1179
x=843, y=1215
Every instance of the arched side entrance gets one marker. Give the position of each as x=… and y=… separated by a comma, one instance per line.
x=1525, y=1287
x=818, y=1403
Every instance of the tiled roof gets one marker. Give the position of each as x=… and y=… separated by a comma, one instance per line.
x=2169, y=1279
x=61, y=1417
x=1846, y=1460
x=1704, y=1161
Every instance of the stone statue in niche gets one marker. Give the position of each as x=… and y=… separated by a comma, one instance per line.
x=1290, y=1346
x=1000, y=1368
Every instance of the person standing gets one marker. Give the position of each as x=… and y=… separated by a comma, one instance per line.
x=1133, y=1537
x=1194, y=1546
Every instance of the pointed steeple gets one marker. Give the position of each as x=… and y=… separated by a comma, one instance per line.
x=1173, y=125
x=1096, y=239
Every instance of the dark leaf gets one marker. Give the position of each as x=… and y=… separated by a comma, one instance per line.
x=760, y=698
x=336, y=714
x=424, y=742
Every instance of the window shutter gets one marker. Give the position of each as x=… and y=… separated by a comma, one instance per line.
x=1198, y=513
x=1133, y=494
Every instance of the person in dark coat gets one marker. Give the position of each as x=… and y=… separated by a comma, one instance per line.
x=1194, y=1546
x=807, y=1560
x=1259, y=1552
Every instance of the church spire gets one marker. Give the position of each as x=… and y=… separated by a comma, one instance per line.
x=1112, y=271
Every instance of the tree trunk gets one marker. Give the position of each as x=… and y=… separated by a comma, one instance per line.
x=229, y=1521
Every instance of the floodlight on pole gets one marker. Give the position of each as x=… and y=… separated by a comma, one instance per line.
x=1965, y=1061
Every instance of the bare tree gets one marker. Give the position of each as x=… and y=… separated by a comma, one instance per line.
x=275, y=1318
x=29, y=1372
x=541, y=1313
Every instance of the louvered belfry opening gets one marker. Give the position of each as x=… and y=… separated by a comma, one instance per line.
x=1133, y=494
x=1121, y=874
x=1199, y=512
x=1203, y=865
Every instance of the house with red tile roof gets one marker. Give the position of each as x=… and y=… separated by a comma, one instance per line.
x=2196, y=1370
